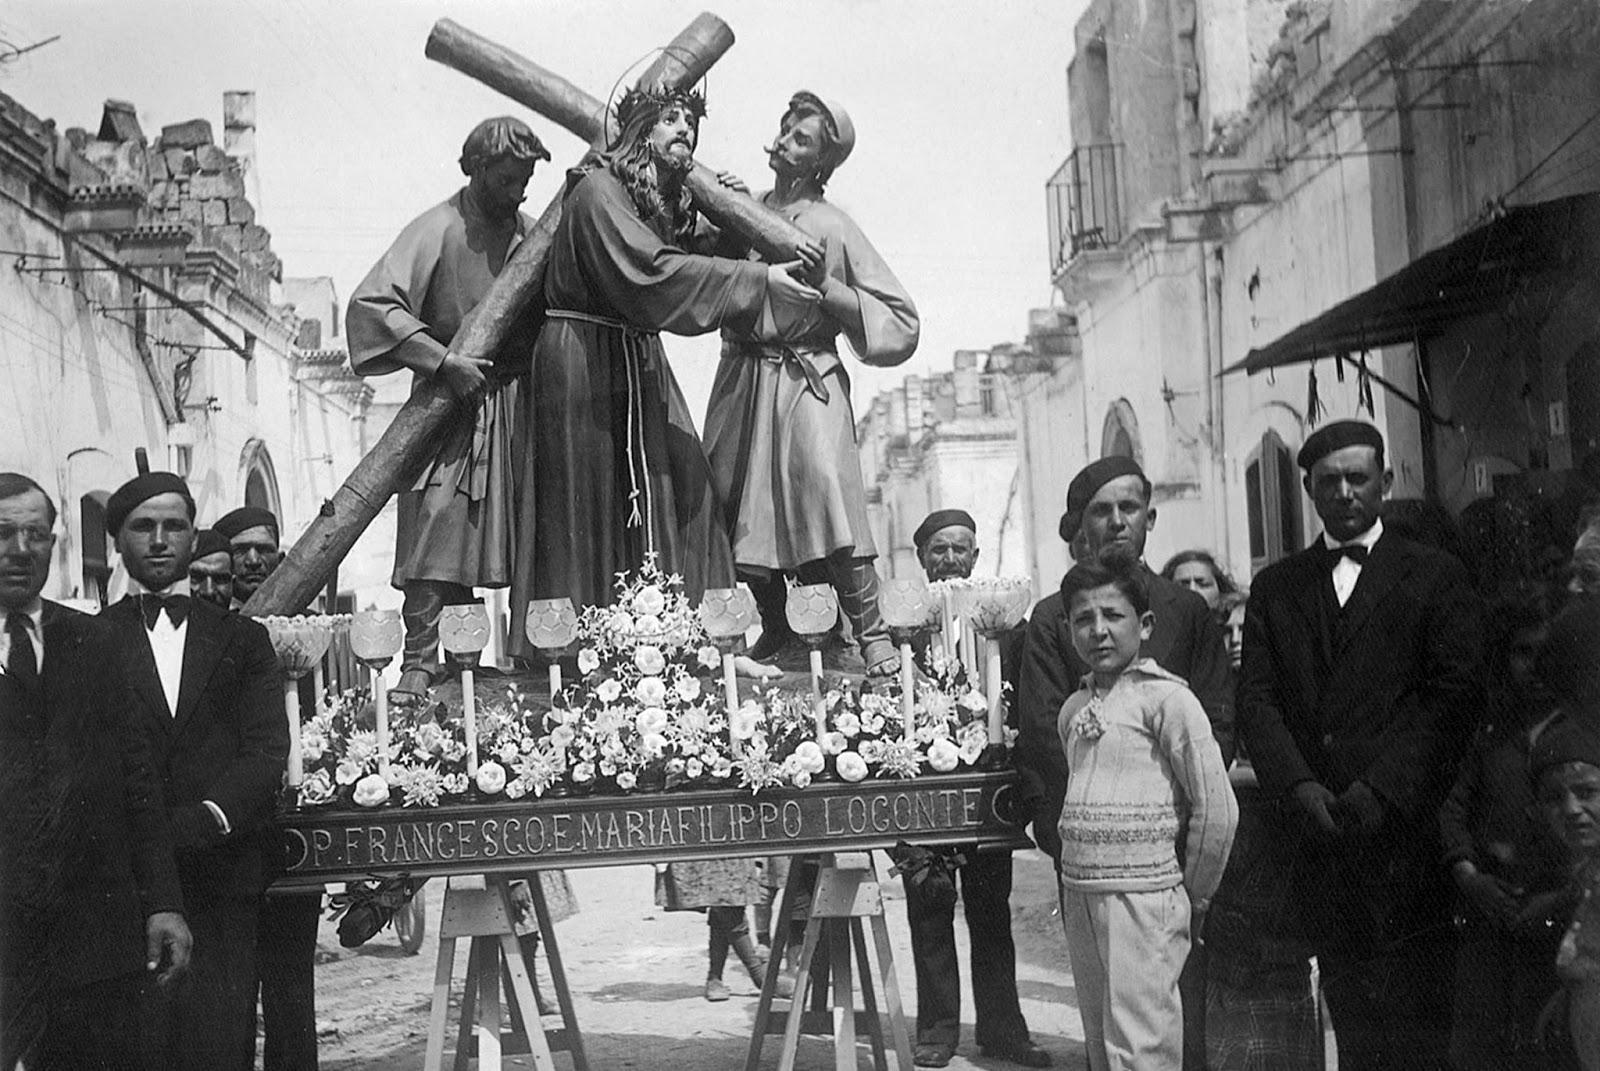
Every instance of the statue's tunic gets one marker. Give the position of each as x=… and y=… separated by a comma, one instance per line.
x=615, y=469
x=779, y=428
x=456, y=523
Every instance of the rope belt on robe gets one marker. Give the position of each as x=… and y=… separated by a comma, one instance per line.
x=638, y=359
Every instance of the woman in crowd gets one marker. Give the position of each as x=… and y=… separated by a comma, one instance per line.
x=1198, y=571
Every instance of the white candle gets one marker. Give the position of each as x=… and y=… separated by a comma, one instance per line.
x=947, y=625
x=819, y=710
x=730, y=691
x=996, y=700
x=469, y=715
x=908, y=701
x=555, y=680
x=291, y=706
x=380, y=695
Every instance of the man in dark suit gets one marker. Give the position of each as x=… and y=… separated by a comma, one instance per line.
x=89, y=901
x=1359, y=689
x=286, y=940
x=208, y=689
x=1108, y=506
x=947, y=547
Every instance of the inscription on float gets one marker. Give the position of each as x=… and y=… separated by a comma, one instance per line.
x=624, y=829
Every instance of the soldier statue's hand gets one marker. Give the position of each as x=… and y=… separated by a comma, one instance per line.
x=782, y=284
x=464, y=376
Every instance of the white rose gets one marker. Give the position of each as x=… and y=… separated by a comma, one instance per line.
x=834, y=742
x=371, y=791
x=848, y=724
x=649, y=600
x=693, y=769
x=974, y=703
x=588, y=661
x=348, y=773
x=316, y=789
x=650, y=660
x=851, y=767
x=744, y=722
x=801, y=778
x=648, y=625
x=620, y=622
x=562, y=736
x=650, y=691
x=312, y=747
x=943, y=756
x=491, y=778
x=651, y=720
x=710, y=657
x=626, y=780
x=809, y=756
x=688, y=689
x=608, y=690
x=583, y=773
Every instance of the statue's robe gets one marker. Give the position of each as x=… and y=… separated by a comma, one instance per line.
x=615, y=469
x=780, y=432
x=456, y=523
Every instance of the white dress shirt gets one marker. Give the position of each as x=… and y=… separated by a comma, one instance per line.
x=35, y=633
x=1346, y=572
x=166, y=642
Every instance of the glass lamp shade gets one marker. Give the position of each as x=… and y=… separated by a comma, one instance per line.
x=299, y=642
x=376, y=635
x=552, y=623
x=464, y=629
x=994, y=606
x=727, y=613
x=812, y=609
x=905, y=603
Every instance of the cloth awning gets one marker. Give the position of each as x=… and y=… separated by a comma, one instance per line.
x=1528, y=248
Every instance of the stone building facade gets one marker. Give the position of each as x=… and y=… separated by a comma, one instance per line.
x=1280, y=214
x=142, y=308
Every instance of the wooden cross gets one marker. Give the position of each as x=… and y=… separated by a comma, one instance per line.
x=400, y=454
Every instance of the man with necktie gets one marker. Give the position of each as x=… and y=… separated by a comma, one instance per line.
x=89, y=901
x=1359, y=690
x=207, y=690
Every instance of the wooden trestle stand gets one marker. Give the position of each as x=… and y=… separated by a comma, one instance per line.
x=480, y=908
x=845, y=900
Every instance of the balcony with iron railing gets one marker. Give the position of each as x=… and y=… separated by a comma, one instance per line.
x=1084, y=204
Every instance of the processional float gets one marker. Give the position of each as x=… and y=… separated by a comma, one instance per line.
x=832, y=820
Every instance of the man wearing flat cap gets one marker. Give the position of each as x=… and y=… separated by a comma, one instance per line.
x=780, y=431
x=211, y=569
x=1109, y=512
x=253, y=536
x=454, y=529
x=207, y=692
x=947, y=547
x=1358, y=693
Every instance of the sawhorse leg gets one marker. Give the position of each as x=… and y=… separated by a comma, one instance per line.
x=481, y=910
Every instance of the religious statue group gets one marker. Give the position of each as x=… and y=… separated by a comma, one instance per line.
x=576, y=455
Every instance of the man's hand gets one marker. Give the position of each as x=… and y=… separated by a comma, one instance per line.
x=785, y=288
x=167, y=943
x=464, y=376
x=812, y=256
x=1362, y=804
x=1314, y=802
x=1495, y=899
x=728, y=180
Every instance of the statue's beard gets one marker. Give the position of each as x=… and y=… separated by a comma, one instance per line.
x=676, y=161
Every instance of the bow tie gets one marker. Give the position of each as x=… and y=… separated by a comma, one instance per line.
x=1354, y=551
x=176, y=606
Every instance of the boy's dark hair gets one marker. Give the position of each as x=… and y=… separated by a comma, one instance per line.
x=1114, y=568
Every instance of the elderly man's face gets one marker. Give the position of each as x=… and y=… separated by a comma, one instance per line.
x=950, y=553
x=255, y=556
x=1119, y=515
x=673, y=137
x=211, y=579
x=157, y=539
x=26, y=544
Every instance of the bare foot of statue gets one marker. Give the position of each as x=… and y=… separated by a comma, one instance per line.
x=746, y=666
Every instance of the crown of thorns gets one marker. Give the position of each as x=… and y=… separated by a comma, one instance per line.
x=658, y=99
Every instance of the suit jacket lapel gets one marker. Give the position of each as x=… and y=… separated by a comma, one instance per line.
x=201, y=650
x=1386, y=566
x=141, y=668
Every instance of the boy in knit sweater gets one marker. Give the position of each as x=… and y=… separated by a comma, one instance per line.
x=1146, y=827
